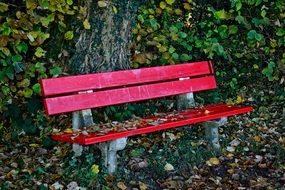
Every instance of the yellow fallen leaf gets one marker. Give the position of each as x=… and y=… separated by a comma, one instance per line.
x=102, y=3
x=231, y=171
x=257, y=138
x=230, y=155
x=142, y=186
x=121, y=186
x=68, y=130
x=239, y=100
x=95, y=169
x=34, y=145
x=213, y=161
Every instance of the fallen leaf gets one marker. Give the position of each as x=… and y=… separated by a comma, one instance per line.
x=56, y=186
x=33, y=145
x=121, y=186
x=257, y=138
x=258, y=158
x=142, y=186
x=102, y=4
x=68, y=130
x=230, y=149
x=213, y=161
x=168, y=167
x=72, y=186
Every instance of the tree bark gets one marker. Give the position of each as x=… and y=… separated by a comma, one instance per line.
x=105, y=47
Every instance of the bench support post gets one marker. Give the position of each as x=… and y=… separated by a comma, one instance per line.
x=76, y=124
x=212, y=132
x=185, y=101
x=81, y=119
x=109, y=153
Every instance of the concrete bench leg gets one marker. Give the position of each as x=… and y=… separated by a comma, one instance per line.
x=79, y=119
x=76, y=124
x=109, y=153
x=212, y=132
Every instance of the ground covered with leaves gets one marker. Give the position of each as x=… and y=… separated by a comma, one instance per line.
x=252, y=157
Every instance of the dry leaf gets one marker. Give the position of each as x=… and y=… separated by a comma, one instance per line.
x=121, y=186
x=168, y=167
x=68, y=130
x=213, y=161
x=257, y=138
x=142, y=186
x=102, y=4
x=34, y=145
x=230, y=149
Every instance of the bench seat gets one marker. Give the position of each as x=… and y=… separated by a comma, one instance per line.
x=149, y=124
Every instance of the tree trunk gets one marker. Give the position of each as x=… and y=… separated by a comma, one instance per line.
x=105, y=47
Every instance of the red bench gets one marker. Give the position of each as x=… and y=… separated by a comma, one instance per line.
x=72, y=94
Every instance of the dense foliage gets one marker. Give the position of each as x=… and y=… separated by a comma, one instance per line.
x=245, y=38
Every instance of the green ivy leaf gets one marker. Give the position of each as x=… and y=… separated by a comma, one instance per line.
x=17, y=58
x=184, y=57
x=175, y=56
x=69, y=2
x=173, y=29
x=9, y=71
x=162, y=5
x=6, y=30
x=22, y=47
x=5, y=50
x=4, y=7
x=233, y=29
x=251, y=34
x=171, y=50
x=37, y=88
x=280, y=32
x=27, y=92
x=222, y=14
x=263, y=13
x=55, y=71
x=40, y=52
x=182, y=34
x=170, y=2
x=259, y=37
x=238, y=5
x=69, y=35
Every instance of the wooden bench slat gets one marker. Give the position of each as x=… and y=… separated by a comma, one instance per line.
x=193, y=116
x=69, y=84
x=76, y=102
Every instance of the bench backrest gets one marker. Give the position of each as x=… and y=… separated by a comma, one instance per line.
x=111, y=88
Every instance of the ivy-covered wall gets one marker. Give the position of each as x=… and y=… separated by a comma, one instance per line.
x=245, y=38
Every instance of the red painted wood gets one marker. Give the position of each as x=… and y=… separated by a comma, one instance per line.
x=190, y=117
x=76, y=102
x=64, y=85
